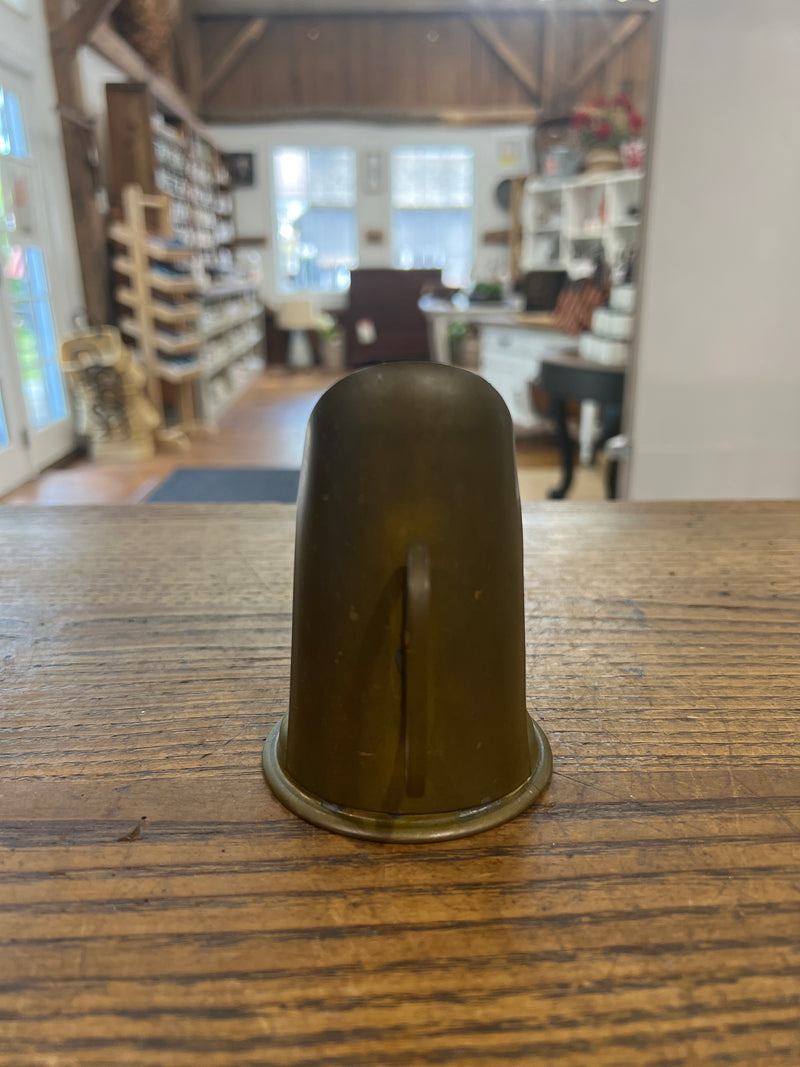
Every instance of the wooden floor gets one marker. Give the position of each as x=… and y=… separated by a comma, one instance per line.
x=265, y=429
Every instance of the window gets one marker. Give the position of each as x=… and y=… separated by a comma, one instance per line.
x=315, y=207
x=432, y=210
x=13, y=139
x=24, y=272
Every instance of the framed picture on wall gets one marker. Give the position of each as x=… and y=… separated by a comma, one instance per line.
x=373, y=174
x=242, y=168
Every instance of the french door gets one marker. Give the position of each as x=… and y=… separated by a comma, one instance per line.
x=35, y=425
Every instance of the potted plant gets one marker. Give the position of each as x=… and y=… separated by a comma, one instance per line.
x=604, y=125
x=332, y=345
x=486, y=293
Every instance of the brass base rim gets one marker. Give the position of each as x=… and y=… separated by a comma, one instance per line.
x=408, y=829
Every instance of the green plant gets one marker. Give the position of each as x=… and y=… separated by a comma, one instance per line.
x=331, y=331
x=487, y=291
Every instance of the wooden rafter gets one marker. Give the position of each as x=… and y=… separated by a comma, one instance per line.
x=75, y=30
x=444, y=116
x=511, y=60
x=605, y=52
x=332, y=8
x=236, y=50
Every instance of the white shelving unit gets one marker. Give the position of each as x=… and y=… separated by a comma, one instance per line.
x=562, y=219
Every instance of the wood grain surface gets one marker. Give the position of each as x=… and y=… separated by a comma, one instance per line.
x=159, y=907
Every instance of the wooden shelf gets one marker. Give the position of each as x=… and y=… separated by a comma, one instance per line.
x=234, y=287
x=191, y=343
x=164, y=344
x=210, y=370
x=584, y=201
x=162, y=253
x=175, y=284
x=231, y=324
x=236, y=394
x=168, y=134
x=123, y=265
x=178, y=373
x=166, y=313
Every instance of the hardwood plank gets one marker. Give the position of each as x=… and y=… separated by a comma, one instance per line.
x=234, y=53
x=645, y=913
x=624, y=33
x=209, y=10
x=74, y=31
x=489, y=33
x=453, y=116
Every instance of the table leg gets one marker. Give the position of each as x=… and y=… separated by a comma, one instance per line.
x=611, y=421
x=440, y=338
x=566, y=447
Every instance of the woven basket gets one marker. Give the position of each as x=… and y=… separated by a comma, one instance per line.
x=149, y=27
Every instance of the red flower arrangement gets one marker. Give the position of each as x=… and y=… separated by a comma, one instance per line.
x=607, y=123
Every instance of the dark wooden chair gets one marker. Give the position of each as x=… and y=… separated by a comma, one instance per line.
x=388, y=298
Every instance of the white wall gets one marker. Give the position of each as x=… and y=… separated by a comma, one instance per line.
x=95, y=72
x=254, y=206
x=25, y=50
x=716, y=397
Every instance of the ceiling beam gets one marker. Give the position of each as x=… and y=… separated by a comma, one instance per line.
x=117, y=51
x=511, y=60
x=442, y=116
x=75, y=30
x=236, y=50
x=317, y=8
x=605, y=52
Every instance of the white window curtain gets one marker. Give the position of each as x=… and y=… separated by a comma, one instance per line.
x=432, y=210
x=315, y=207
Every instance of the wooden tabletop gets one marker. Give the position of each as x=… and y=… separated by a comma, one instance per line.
x=488, y=313
x=570, y=358
x=159, y=908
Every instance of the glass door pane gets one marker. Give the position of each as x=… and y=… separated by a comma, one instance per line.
x=32, y=325
x=3, y=426
x=24, y=273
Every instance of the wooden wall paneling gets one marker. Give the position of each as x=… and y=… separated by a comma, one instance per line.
x=322, y=46
x=599, y=57
x=418, y=8
x=487, y=70
x=400, y=74
x=233, y=54
x=324, y=66
x=188, y=59
x=549, y=60
x=520, y=67
x=215, y=35
x=130, y=138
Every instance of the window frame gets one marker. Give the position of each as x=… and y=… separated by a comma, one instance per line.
x=279, y=276
x=441, y=145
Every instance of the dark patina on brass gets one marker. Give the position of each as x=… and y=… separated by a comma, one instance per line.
x=407, y=718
